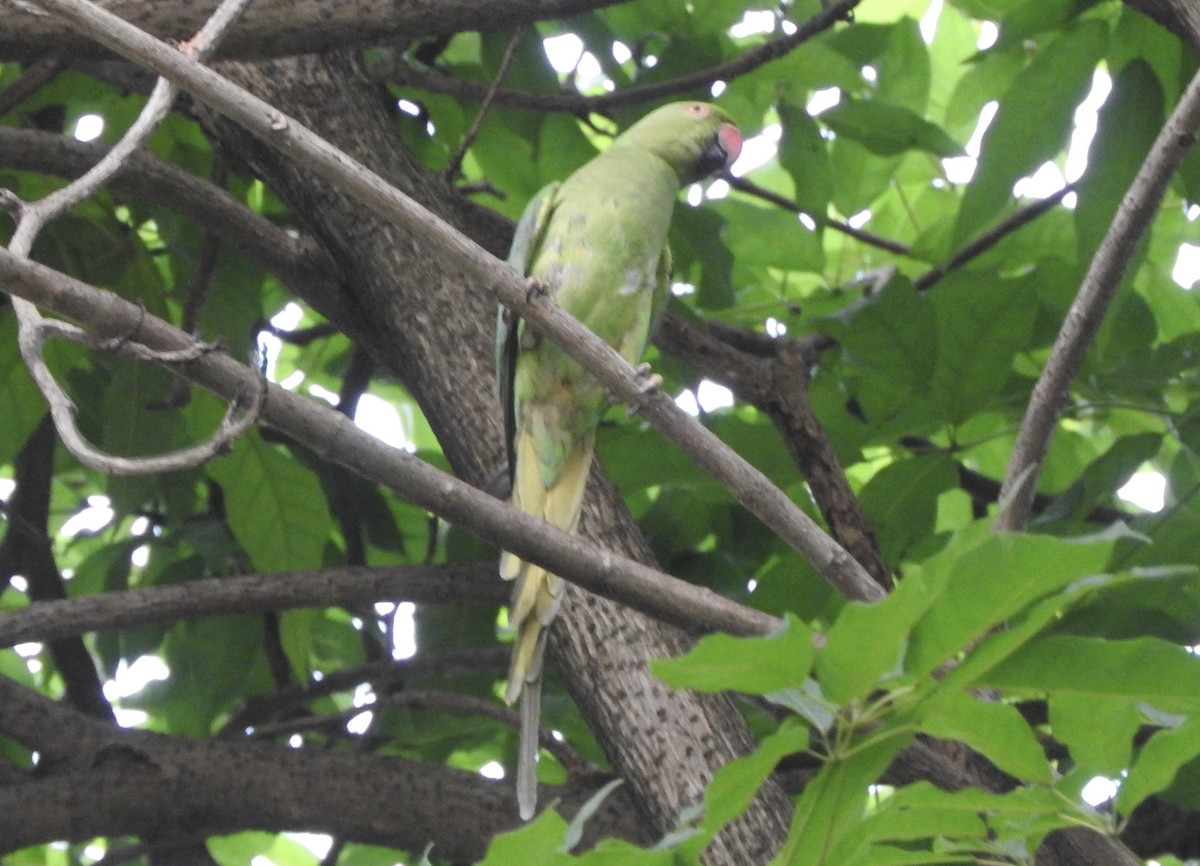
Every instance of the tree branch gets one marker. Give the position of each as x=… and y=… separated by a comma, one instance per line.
x=398, y=71
x=126, y=782
x=300, y=263
x=134, y=608
x=277, y=28
x=1083, y=319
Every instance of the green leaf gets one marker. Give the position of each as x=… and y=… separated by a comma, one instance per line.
x=887, y=129
x=804, y=155
x=1032, y=122
x=1102, y=478
x=23, y=404
x=1125, y=128
x=734, y=785
x=860, y=176
x=1157, y=763
x=831, y=808
x=1105, y=748
x=996, y=730
x=1142, y=669
x=537, y=843
x=275, y=507
x=987, y=581
x=921, y=811
x=751, y=665
x=769, y=237
x=296, y=635
x=981, y=326
x=892, y=334
x=901, y=501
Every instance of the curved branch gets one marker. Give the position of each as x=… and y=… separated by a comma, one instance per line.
x=300, y=263
x=1083, y=319
x=240, y=414
x=33, y=328
x=397, y=71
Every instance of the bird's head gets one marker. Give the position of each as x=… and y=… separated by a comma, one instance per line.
x=694, y=138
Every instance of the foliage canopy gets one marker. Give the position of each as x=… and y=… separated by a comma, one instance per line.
x=870, y=275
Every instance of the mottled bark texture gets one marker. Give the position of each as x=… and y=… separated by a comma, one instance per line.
x=274, y=28
x=432, y=330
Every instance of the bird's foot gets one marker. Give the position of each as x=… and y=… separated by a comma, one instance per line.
x=648, y=381
x=534, y=288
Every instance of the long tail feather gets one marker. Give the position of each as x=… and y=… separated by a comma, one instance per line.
x=537, y=595
x=531, y=712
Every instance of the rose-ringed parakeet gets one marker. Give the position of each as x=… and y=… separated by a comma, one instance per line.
x=597, y=242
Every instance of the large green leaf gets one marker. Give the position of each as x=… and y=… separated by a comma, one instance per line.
x=901, y=501
x=753, y=665
x=1125, y=128
x=1149, y=670
x=989, y=578
x=981, y=326
x=274, y=506
x=887, y=129
x=1157, y=763
x=995, y=730
x=1032, y=122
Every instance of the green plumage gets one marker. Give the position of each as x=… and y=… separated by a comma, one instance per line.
x=598, y=243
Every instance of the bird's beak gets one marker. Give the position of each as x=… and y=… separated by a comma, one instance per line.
x=728, y=141
x=722, y=150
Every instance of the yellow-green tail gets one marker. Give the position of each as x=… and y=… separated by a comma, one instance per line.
x=537, y=595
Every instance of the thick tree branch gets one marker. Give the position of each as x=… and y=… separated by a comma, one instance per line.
x=424, y=584
x=125, y=782
x=383, y=676
x=275, y=28
x=1083, y=319
x=776, y=385
x=267, y=123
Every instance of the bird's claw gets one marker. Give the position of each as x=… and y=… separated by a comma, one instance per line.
x=534, y=288
x=648, y=381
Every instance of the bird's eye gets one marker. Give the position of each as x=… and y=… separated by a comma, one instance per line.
x=698, y=108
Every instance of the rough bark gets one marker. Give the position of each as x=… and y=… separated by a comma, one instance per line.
x=274, y=28
x=432, y=329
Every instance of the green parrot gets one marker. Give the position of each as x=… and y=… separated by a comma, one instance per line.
x=597, y=242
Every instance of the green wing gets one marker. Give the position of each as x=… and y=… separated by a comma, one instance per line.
x=531, y=230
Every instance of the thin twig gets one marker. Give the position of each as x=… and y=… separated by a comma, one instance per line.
x=748, y=485
x=398, y=71
x=1086, y=314
x=452, y=168
x=742, y=184
x=992, y=236
x=241, y=414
